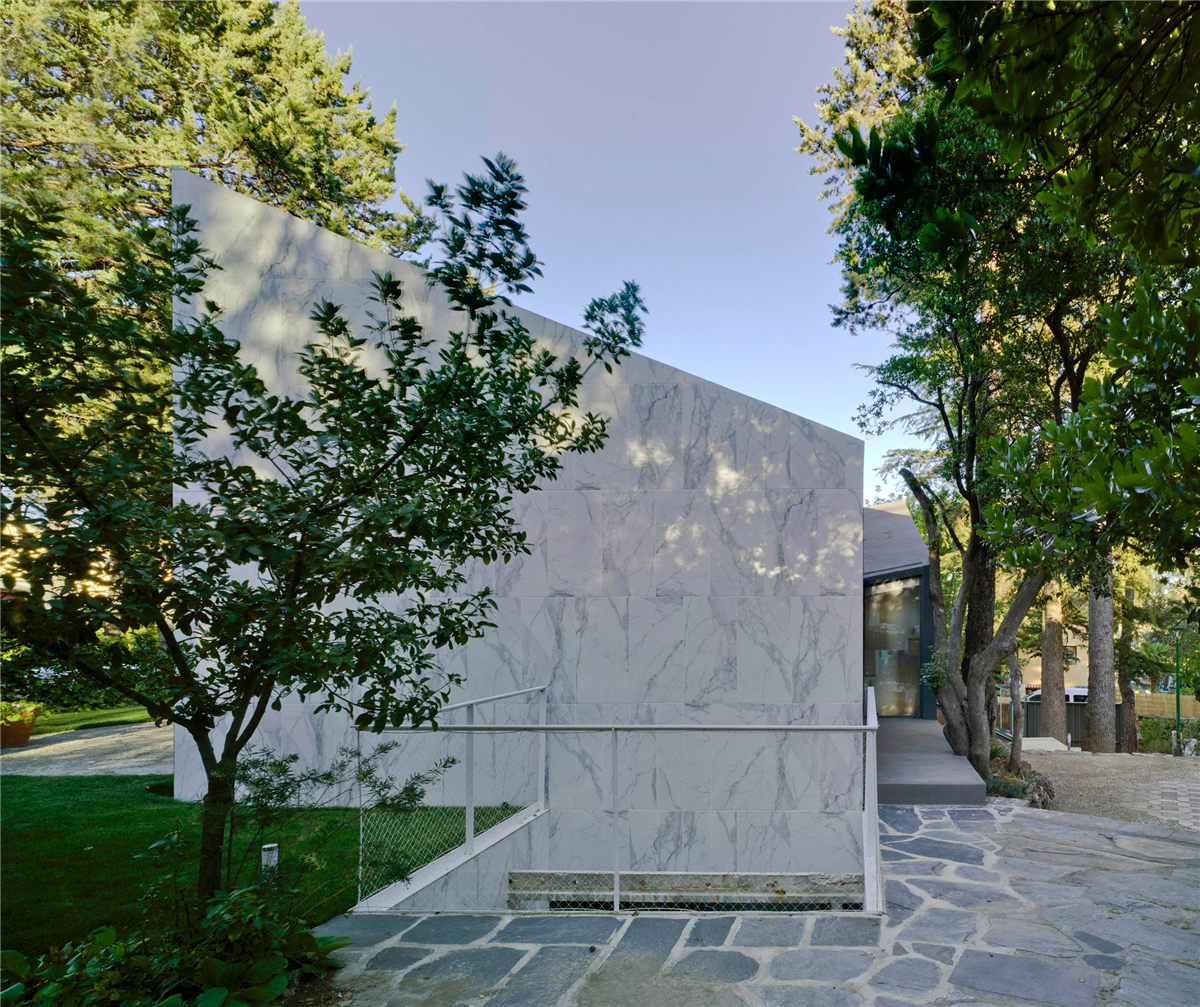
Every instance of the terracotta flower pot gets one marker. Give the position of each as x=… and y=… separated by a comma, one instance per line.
x=17, y=733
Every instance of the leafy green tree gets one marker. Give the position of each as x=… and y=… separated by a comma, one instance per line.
x=325, y=558
x=100, y=101
x=992, y=309
x=1104, y=98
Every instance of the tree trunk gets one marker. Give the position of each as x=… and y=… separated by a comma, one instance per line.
x=1054, y=703
x=979, y=630
x=983, y=664
x=1018, y=728
x=1129, y=733
x=1100, y=734
x=218, y=804
x=981, y=608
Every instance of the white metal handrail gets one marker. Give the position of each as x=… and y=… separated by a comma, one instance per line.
x=872, y=881
x=634, y=728
x=483, y=699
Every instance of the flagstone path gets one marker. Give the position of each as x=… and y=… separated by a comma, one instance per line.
x=1001, y=905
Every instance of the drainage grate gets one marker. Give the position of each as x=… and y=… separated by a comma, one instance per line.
x=590, y=891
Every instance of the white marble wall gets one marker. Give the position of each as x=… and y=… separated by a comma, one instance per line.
x=704, y=567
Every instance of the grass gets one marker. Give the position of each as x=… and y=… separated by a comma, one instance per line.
x=72, y=848
x=52, y=723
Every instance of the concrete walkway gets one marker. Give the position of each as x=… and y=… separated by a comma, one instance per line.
x=998, y=905
x=128, y=750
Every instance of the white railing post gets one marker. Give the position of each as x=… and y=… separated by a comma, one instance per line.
x=615, y=841
x=469, y=796
x=872, y=881
x=543, y=797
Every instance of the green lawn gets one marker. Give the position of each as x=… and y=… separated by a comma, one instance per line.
x=72, y=843
x=51, y=723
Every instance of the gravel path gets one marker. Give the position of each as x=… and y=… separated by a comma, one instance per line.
x=1153, y=789
x=127, y=750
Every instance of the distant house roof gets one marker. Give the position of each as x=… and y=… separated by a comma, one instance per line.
x=891, y=542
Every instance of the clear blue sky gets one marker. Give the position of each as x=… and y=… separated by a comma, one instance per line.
x=658, y=145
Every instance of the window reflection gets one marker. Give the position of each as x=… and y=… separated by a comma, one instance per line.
x=892, y=658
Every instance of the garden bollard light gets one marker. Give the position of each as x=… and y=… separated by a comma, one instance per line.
x=270, y=862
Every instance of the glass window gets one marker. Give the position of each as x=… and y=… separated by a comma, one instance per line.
x=892, y=645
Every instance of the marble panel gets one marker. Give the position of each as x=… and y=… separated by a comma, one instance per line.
x=768, y=650
x=188, y=779
x=710, y=650
x=793, y=764
x=643, y=446
x=506, y=769
x=228, y=223
x=822, y=628
x=583, y=840
x=839, y=542
x=560, y=339
x=639, y=369
x=291, y=247
x=683, y=775
x=745, y=544
x=627, y=544
x=798, y=841
x=494, y=663
x=840, y=783
x=668, y=840
x=793, y=520
x=683, y=547
x=572, y=542
x=764, y=438
x=599, y=651
x=546, y=642
x=739, y=771
x=821, y=457
x=636, y=776
x=709, y=440
x=649, y=433
x=658, y=649
x=579, y=767
x=524, y=575
x=854, y=471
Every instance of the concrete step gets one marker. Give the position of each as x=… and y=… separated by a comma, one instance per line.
x=916, y=766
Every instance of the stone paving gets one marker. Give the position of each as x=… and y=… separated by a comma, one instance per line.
x=126, y=750
x=1175, y=800
x=1000, y=905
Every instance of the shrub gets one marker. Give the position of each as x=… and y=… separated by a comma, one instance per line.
x=240, y=953
x=1005, y=785
x=34, y=675
x=1154, y=733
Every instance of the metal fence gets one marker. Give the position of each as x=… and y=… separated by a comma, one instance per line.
x=465, y=800
x=648, y=816
x=1076, y=721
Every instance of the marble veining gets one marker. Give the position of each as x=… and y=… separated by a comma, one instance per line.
x=705, y=566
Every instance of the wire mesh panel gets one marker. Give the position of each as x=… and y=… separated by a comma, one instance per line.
x=468, y=784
